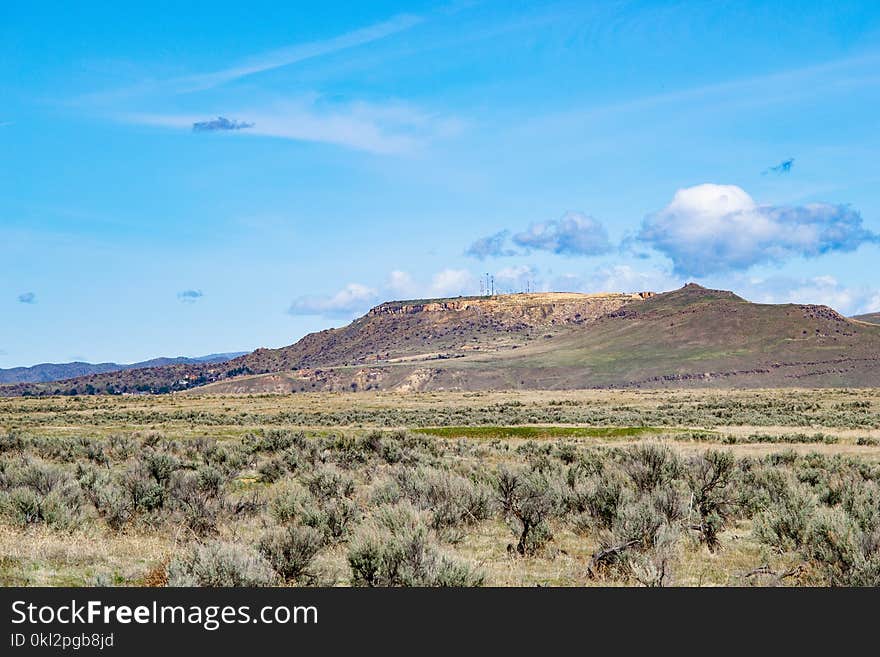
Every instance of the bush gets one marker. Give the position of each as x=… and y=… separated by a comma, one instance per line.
x=595, y=501
x=291, y=550
x=785, y=524
x=41, y=493
x=709, y=477
x=650, y=465
x=220, y=564
x=271, y=470
x=395, y=549
x=528, y=500
x=451, y=499
x=844, y=553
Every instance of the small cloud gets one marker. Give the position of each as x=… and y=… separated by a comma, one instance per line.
x=219, y=124
x=491, y=246
x=781, y=168
x=715, y=228
x=353, y=299
x=190, y=296
x=575, y=234
x=617, y=278
x=401, y=285
x=27, y=297
x=518, y=278
x=824, y=289
x=452, y=282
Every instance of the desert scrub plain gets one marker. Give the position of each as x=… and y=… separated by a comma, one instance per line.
x=582, y=488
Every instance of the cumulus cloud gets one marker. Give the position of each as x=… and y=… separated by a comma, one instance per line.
x=716, y=228
x=27, y=297
x=617, y=278
x=492, y=246
x=574, y=234
x=220, y=124
x=351, y=300
x=401, y=284
x=783, y=167
x=452, y=282
x=825, y=290
x=355, y=298
x=518, y=278
x=190, y=296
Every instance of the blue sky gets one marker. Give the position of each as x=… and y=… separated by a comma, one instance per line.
x=224, y=176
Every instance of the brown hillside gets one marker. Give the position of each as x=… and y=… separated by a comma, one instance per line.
x=689, y=337
x=400, y=331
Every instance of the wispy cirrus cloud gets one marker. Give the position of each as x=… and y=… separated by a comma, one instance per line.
x=389, y=129
x=716, y=228
x=258, y=63
x=295, y=53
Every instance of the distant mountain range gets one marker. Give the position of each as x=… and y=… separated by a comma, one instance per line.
x=871, y=318
x=48, y=372
x=690, y=337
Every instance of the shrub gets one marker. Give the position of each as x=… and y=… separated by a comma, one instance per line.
x=220, y=564
x=41, y=493
x=845, y=554
x=528, y=499
x=653, y=567
x=650, y=465
x=451, y=499
x=786, y=523
x=271, y=470
x=709, y=477
x=595, y=501
x=198, y=507
x=291, y=550
x=395, y=549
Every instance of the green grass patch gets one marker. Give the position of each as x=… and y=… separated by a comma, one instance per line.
x=495, y=432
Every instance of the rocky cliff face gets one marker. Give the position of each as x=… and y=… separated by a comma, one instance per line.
x=530, y=309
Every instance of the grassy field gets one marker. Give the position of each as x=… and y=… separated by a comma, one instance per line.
x=573, y=488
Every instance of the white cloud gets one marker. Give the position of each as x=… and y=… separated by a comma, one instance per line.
x=713, y=228
x=617, y=278
x=401, y=284
x=352, y=300
x=824, y=290
x=517, y=279
x=453, y=282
